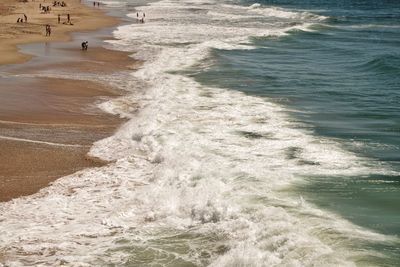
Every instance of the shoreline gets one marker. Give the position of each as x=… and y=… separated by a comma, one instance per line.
x=47, y=125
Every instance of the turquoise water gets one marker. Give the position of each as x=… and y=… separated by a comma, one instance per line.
x=341, y=78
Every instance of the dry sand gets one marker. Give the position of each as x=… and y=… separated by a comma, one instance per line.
x=47, y=125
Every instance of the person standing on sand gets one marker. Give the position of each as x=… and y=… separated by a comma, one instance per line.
x=59, y=19
x=68, y=18
x=26, y=18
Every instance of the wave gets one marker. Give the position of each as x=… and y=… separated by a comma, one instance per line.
x=384, y=63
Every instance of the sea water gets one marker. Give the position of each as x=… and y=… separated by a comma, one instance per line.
x=259, y=134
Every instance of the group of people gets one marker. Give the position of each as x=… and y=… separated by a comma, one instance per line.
x=25, y=19
x=142, y=18
x=44, y=9
x=57, y=3
x=69, y=22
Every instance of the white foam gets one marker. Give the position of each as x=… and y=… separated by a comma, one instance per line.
x=113, y=4
x=197, y=173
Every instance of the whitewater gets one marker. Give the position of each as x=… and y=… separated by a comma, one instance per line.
x=199, y=175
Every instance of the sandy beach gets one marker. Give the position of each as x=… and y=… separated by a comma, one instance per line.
x=47, y=125
x=12, y=33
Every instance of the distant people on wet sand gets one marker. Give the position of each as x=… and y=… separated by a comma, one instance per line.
x=141, y=20
x=48, y=30
x=68, y=22
x=21, y=20
x=96, y=3
x=84, y=45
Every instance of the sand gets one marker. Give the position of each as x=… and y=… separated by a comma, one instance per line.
x=13, y=33
x=47, y=125
x=46, y=129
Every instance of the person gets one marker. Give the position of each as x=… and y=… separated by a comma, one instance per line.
x=26, y=18
x=85, y=45
x=98, y=4
x=59, y=18
x=94, y=3
x=48, y=31
x=68, y=18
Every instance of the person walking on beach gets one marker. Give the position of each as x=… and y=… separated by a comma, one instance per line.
x=59, y=19
x=48, y=30
x=68, y=19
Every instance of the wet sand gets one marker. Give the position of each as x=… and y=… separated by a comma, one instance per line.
x=47, y=125
x=46, y=129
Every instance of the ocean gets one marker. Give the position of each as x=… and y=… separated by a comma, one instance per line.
x=260, y=134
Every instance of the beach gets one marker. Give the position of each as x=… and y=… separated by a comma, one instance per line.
x=47, y=125
x=82, y=18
